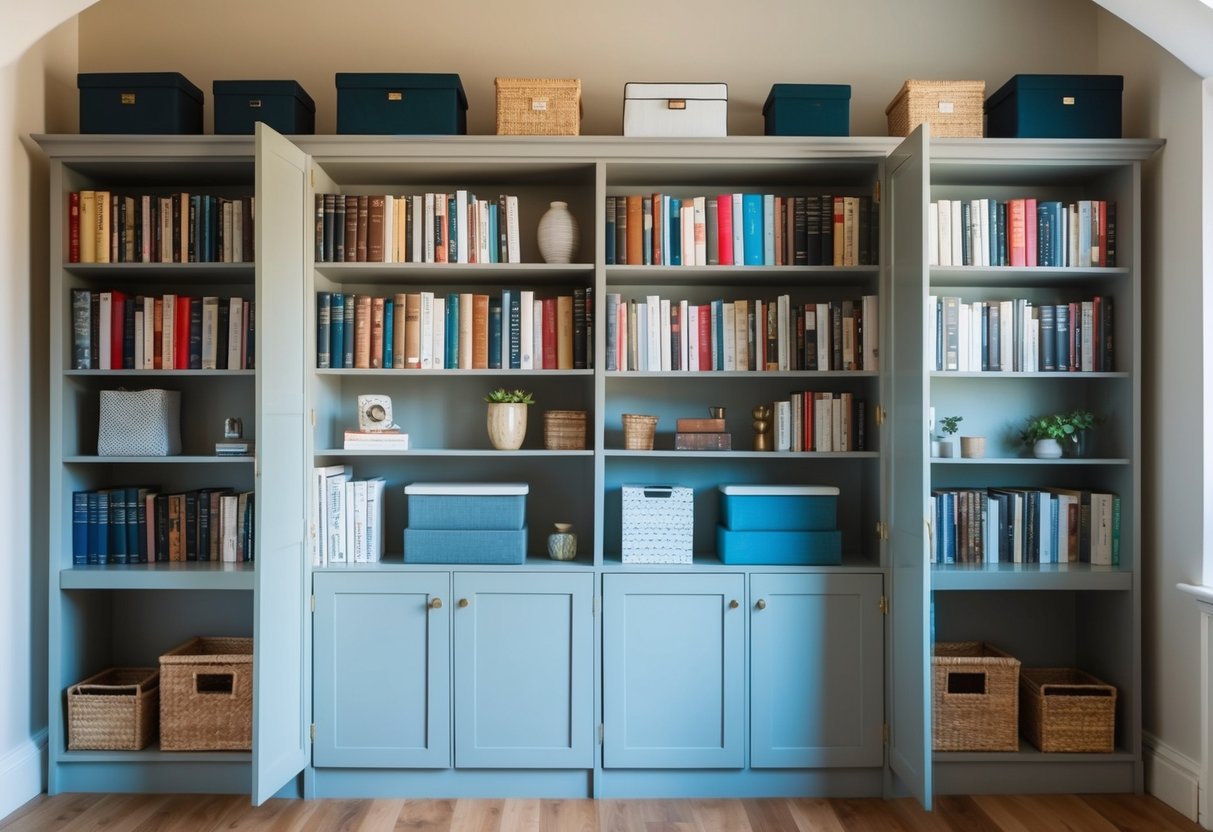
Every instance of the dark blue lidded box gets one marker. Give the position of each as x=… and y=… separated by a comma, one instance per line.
x=283, y=105
x=808, y=110
x=138, y=102
x=396, y=103
x=1056, y=107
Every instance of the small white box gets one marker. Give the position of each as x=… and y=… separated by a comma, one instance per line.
x=658, y=523
x=679, y=110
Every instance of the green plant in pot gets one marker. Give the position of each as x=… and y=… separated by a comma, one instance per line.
x=507, y=417
x=949, y=425
x=1057, y=433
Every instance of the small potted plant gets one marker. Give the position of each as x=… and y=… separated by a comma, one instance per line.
x=949, y=425
x=1044, y=434
x=507, y=417
x=1082, y=421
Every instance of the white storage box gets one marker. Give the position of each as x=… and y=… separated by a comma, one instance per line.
x=658, y=523
x=681, y=110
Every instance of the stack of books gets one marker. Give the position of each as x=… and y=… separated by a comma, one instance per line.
x=377, y=440
x=702, y=435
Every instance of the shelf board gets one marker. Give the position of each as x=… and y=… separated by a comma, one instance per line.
x=733, y=275
x=410, y=274
x=415, y=373
x=394, y=562
x=706, y=375
x=177, y=575
x=233, y=273
x=1017, y=460
x=936, y=375
x=851, y=562
x=1018, y=276
x=157, y=460
x=483, y=452
x=785, y=455
x=1030, y=576
x=162, y=373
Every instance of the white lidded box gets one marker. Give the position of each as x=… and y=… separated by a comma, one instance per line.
x=658, y=523
x=679, y=110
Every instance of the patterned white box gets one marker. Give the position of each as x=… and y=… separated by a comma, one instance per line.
x=658, y=523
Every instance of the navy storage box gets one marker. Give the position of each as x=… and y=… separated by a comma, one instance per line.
x=283, y=105
x=808, y=110
x=820, y=548
x=466, y=505
x=138, y=102
x=1056, y=107
x=465, y=545
x=779, y=507
x=390, y=103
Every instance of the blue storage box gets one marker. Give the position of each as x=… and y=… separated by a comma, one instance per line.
x=782, y=548
x=779, y=507
x=138, y=102
x=808, y=110
x=465, y=545
x=1056, y=107
x=283, y=105
x=401, y=103
x=466, y=505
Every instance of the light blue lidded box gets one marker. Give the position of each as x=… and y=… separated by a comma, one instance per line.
x=779, y=507
x=466, y=505
x=781, y=548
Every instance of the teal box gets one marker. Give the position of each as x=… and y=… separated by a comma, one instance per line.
x=808, y=110
x=440, y=505
x=465, y=545
x=401, y=103
x=779, y=548
x=779, y=507
x=283, y=105
x=139, y=102
x=1056, y=107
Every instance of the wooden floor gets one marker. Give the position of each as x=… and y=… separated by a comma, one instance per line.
x=201, y=813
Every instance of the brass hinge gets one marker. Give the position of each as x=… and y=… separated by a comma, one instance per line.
x=312, y=416
x=884, y=733
x=882, y=530
x=312, y=600
x=601, y=732
x=884, y=605
x=880, y=415
x=312, y=733
x=876, y=191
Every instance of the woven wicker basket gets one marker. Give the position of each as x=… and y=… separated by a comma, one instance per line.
x=116, y=710
x=564, y=430
x=538, y=106
x=953, y=108
x=639, y=431
x=206, y=695
x=975, y=698
x=1062, y=709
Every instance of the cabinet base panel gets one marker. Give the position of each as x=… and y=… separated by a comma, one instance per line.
x=154, y=777
x=450, y=783
x=1054, y=777
x=706, y=783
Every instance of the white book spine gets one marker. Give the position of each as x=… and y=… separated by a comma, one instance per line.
x=513, y=240
x=348, y=521
x=360, y=549
x=686, y=223
x=438, y=342
x=235, y=334
x=427, y=330
x=461, y=226
x=666, y=337
x=138, y=338
x=729, y=348
x=933, y=234
x=149, y=332
x=783, y=426
x=738, y=232
x=684, y=334
x=537, y=334
x=210, y=332
x=428, y=228
x=944, y=209
x=699, y=229
x=692, y=333
x=526, y=329
x=957, y=235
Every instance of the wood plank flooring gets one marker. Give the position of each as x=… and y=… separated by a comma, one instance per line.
x=203, y=813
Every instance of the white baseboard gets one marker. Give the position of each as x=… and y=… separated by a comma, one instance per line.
x=22, y=774
x=1172, y=777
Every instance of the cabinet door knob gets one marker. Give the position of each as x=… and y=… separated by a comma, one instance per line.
x=463, y=602
x=435, y=603
x=733, y=604
x=761, y=604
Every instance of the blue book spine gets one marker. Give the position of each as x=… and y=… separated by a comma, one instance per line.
x=610, y=230
x=195, y=335
x=718, y=335
x=389, y=330
x=80, y=529
x=337, y=327
x=1048, y=337
x=116, y=529
x=1001, y=239
x=992, y=230
x=131, y=498
x=675, y=224
x=324, y=308
x=494, y=333
x=99, y=522
x=452, y=331
x=452, y=234
x=515, y=320
x=347, y=335
x=494, y=254
x=751, y=228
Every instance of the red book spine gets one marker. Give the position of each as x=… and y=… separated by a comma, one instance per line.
x=808, y=401
x=117, y=324
x=724, y=219
x=181, y=333
x=549, y=333
x=705, y=337
x=73, y=227
x=1016, y=233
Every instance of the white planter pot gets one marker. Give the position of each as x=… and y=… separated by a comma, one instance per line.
x=1046, y=449
x=507, y=425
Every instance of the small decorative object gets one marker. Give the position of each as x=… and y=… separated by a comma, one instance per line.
x=949, y=425
x=1046, y=435
x=507, y=417
x=233, y=442
x=762, y=427
x=972, y=447
x=375, y=413
x=562, y=543
x=558, y=234
x=716, y=412
x=564, y=430
x=233, y=428
x=639, y=431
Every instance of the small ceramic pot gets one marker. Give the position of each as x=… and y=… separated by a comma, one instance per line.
x=562, y=543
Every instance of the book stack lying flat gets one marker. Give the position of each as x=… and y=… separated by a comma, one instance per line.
x=702, y=435
x=378, y=440
x=235, y=447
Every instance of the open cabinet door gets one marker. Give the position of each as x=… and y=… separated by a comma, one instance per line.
x=281, y=669
x=908, y=193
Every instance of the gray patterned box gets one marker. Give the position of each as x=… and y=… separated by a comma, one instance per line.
x=658, y=523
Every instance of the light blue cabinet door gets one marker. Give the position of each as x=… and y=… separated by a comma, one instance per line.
x=382, y=661
x=673, y=671
x=816, y=670
x=523, y=650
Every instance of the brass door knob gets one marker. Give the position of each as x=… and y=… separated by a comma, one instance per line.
x=733, y=604
x=463, y=602
x=761, y=604
x=435, y=603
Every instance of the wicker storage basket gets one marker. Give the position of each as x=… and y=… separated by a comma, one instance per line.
x=638, y=431
x=538, y=106
x=206, y=696
x=116, y=710
x=564, y=430
x=954, y=109
x=975, y=698
x=1066, y=710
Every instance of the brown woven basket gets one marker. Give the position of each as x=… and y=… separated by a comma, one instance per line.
x=953, y=108
x=206, y=695
x=639, y=431
x=975, y=698
x=116, y=710
x=564, y=430
x=1066, y=710
x=538, y=106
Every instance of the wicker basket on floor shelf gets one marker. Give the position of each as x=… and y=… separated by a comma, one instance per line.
x=975, y=697
x=116, y=710
x=206, y=695
x=1062, y=709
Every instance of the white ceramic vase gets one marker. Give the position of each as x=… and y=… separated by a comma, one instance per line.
x=1046, y=449
x=507, y=425
x=558, y=234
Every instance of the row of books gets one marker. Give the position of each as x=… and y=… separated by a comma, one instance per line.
x=418, y=228
x=458, y=330
x=823, y=422
x=1025, y=525
x=1023, y=232
x=119, y=330
x=125, y=525
x=346, y=521
x=654, y=334
x=1020, y=336
x=742, y=229
x=108, y=227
